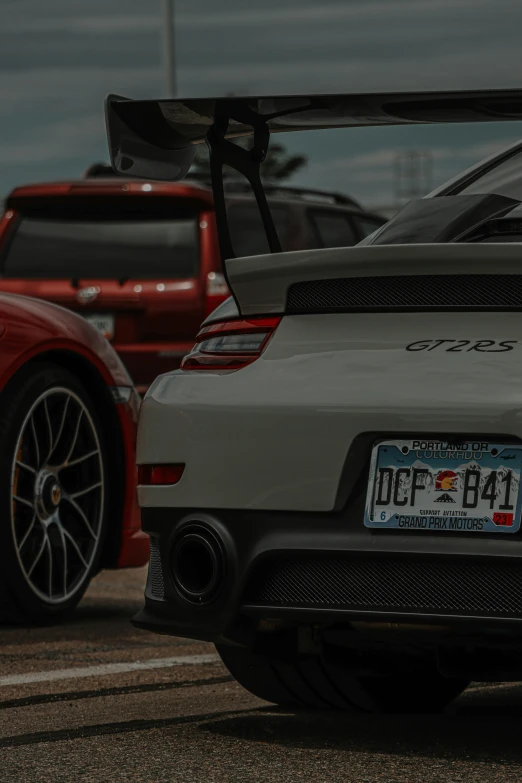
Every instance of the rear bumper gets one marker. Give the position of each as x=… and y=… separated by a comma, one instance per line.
x=328, y=569
x=145, y=361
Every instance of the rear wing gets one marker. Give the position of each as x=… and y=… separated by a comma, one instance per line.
x=157, y=139
x=306, y=281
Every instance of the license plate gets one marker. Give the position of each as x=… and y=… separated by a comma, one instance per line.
x=468, y=487
x=103, y=323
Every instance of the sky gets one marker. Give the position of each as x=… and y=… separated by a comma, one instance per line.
x=59, y=58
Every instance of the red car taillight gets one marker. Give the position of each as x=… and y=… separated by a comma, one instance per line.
x=217, y=285
x=217, y=291
x=159, y=474
x=230, y=345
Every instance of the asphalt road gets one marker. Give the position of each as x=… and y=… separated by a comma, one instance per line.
x=97, y=700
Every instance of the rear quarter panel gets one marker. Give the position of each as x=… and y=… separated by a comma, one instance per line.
x=34, y=327
x=276, y=434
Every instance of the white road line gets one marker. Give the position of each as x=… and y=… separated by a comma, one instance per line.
x=107, y=668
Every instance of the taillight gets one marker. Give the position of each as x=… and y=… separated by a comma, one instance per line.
x=217, y=291
x=230, y=345
x=217, y=285
x=159, y=474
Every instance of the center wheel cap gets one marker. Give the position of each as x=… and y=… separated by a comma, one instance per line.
x=48, y=494
x=56, y=494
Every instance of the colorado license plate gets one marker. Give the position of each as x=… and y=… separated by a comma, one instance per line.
x=103, y=323
x=432, y=485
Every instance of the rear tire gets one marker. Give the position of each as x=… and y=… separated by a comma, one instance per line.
x=53, y=494
x=313, y=683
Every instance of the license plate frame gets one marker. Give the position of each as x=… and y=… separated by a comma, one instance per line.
x=444, y=489
x=103, y=322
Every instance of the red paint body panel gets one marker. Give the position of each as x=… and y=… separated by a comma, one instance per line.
x=30, y=328
x=134, y=549
x=114, y=185
x=155, y=320
x=33, y=327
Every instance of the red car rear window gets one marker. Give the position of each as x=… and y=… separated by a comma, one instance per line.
x=104, y=243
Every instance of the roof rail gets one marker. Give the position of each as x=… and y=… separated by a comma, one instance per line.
x=307, y=194
x=238, y=186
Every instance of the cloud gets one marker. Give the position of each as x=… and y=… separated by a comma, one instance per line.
x=372, y=176
x=57, y=141
x=66, y=19
x=86, y=25
x=386, y=157
x=312, y=13
x=374, y=73
x=59, y=58
x=34, y=90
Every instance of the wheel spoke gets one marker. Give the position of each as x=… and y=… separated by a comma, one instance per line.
x=79, y=460
x=74, y=440
x=62, y=423
x=86, y=490
x=75, y=546
x=49, y=429
x=64, y=550
x=50, y=553
x=38, y=556
x=26, y=467
x=35, y=438
x=81, y=514
x=23, y=501
x=27, y=533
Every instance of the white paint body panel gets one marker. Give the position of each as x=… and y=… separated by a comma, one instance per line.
x=275, y=434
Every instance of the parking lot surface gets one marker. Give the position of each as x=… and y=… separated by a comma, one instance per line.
x=97, y=700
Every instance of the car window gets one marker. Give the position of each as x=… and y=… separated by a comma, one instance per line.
x=133, y=247
x=333, y=229
x=505, y=179
x=246, y=228
x=367, y=225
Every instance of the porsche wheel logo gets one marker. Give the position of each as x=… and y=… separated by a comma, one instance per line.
x=56, y=495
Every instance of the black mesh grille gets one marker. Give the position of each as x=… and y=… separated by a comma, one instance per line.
x=502, y=238
x=428, y=586
x=155, y=570
x=415, y=292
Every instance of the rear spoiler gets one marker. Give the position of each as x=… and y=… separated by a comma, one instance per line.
x=262, y=284
x=157, y=139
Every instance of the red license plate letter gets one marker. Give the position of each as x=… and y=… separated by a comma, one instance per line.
x=506, y=520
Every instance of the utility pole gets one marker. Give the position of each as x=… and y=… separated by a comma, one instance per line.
x=413, y=174
x=169, y=49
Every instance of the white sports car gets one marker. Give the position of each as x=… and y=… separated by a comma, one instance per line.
x=331, y=482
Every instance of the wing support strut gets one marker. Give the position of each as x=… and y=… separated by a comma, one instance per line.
x=246, y=162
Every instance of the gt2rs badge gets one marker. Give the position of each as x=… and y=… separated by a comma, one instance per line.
x=463, y=346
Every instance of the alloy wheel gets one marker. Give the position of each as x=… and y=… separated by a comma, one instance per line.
x=57, y=495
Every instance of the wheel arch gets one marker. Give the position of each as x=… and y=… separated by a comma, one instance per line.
x=97, y=388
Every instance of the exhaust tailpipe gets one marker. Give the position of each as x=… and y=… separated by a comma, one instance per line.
x=198, y=564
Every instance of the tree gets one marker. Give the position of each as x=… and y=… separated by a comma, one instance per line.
x=278, y=165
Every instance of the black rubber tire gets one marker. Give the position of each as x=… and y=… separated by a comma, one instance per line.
x=19, y=604
x=422, y=692
x=312, y=683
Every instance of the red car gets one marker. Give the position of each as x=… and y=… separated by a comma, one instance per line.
x=140, y=260
x=68, y=413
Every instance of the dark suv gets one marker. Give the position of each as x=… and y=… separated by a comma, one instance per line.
x=304, y=219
